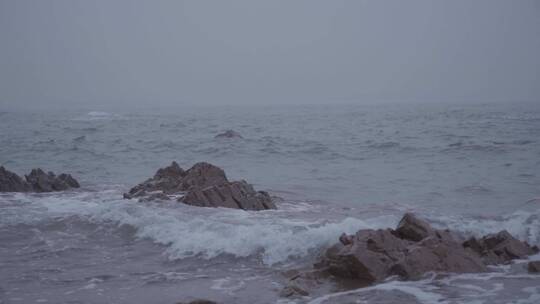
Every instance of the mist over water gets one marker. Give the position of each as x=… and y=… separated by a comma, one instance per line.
x=472, y=168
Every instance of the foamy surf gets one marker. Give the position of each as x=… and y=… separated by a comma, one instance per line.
x=188, y=231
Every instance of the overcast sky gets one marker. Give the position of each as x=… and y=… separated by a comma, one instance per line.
x=261, y=52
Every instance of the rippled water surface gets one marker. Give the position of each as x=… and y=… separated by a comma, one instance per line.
x=473, y=168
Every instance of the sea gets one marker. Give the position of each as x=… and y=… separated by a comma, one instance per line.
x=333, y=169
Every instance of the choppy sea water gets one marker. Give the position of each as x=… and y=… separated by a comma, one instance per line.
x=473, y=168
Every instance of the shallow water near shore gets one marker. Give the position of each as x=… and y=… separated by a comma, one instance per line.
x=472, y=168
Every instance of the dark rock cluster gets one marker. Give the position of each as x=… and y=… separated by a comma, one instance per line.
x=203, y=185
x=36, y=181
x=408, y=252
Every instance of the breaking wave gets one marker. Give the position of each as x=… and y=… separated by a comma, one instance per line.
x=275, y=235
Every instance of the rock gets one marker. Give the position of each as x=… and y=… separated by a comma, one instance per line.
x=500, y=248
x=48, y=182
x=79, y=139
x=534, y=267
x=437, y=254
x=345, y=239
x=203, y=185
x=167, y=180
x=229, y=134
x=413, y=249
x=292, y=290
x=200, y=301
x=237, y=194
x=11, y=182
x=412, y=228
x=368, y=258
x=36, y=181
x=203, y=175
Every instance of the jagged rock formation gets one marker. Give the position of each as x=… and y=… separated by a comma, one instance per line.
x=499, y=248
x=203, y=185
x=36, y=181
x=410, y=251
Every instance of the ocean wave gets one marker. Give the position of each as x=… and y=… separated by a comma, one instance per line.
x=524, y=224
x=97, y=115
x=274, y=236
x=188, y=231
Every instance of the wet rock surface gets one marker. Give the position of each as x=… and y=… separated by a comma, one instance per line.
x=36, y=181
x=534, y=267
x=203, y=185
x=500, y=248
x=410, y=251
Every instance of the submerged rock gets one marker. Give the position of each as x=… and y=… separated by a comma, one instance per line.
x=203, y=185
x=36, y=181
x=534, y=267
x=199, y=301
x=413, y=249
x=229, y=134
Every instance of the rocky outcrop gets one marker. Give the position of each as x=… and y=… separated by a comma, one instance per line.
x=229, y=134
x=411, y=250
x=500, y=248
x=203, y=185
x=238, y=194
x=11, y=182
x=36, y=181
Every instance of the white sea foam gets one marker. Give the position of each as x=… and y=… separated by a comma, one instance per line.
x=97, y=115
x=523, y=224
x=421, y=290
x=207, y=232
x=192, y=231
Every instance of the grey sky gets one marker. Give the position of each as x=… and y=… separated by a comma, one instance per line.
x=256, y=52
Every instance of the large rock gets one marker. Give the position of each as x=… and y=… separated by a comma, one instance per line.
x=237, y=194
x=36, y=181
x=412, y=228
x=373, y=255
x=11, y=182
x=413, y=249
x=500, y=248
x=49, y=182
x=203, y=185
x=166, y=180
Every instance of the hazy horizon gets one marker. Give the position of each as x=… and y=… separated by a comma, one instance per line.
x=103, y=54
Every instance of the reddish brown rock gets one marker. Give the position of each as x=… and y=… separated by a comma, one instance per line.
x=412, y=228
x=237, y=194
x=413, y=249
x=500, y=248
x=203, y=185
